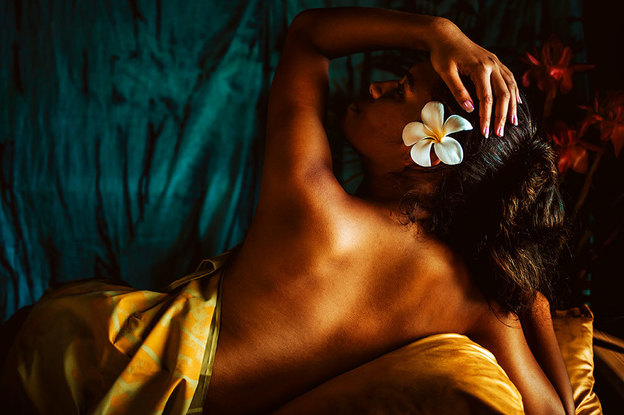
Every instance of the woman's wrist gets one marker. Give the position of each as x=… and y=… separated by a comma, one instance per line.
x=440, y=30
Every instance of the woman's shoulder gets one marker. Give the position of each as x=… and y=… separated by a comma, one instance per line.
x=317, y=205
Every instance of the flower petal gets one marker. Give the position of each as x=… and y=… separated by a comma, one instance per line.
x=578, y=156
x=420, y=152
x=526, y=78
x=617, y=138
x=566, y=82
x=455, y=123
x=449, y=151
x=532, y=59
x=432, y=115
x=415, y=131
x=566, y=56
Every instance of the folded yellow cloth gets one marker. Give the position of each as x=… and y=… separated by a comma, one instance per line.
x=439, y=374
x=93, y=347
x=450, y=374
x=574, y=329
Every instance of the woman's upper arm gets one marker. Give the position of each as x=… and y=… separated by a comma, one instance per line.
x=297, y=153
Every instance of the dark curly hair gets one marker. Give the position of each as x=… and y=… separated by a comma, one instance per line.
x=501, y=208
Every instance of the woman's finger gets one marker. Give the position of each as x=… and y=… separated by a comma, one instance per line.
x=515, y=85
x=484, y=92
x=453, y=81
x=502, y=101
x=515, y=94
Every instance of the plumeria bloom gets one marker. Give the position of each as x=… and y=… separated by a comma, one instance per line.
x=434, y=131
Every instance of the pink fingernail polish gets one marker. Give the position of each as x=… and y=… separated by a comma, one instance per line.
x=486, y=131
x=514, y=119
x=500, y=131
x=468, y=106
x=519, y=100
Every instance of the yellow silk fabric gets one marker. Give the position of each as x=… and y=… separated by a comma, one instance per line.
x=574, y=330
x=97, y=348
x=94, y=347
x=439, y=374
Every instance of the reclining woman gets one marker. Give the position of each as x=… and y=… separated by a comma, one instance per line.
x=452, y=230
x=327, y=280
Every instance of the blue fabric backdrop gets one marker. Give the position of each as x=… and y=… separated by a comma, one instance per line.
x=131, y=132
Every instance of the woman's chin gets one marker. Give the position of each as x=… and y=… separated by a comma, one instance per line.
x=354, y=108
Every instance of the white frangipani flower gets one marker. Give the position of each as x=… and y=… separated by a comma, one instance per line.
x=433, y=132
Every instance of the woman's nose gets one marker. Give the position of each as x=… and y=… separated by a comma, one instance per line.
x=378, y=89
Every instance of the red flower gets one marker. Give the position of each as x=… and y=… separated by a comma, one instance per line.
x=553, y=70
x=572, y=153
x=609, y=114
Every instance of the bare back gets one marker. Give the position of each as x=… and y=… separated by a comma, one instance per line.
x=315, y=293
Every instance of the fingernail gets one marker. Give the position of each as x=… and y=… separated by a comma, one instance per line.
x=486, y=131
x=468, y=106
x=500, y=131
x=519, y=100
x=514, y=119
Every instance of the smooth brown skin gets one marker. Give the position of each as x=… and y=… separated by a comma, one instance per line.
x=326, y=281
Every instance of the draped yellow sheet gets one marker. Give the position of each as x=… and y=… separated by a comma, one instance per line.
x=93, y=347
x=98, y=348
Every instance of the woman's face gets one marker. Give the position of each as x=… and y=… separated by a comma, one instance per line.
x=374, y=125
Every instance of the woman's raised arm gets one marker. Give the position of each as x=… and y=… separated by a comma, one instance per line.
x=296, y=146
x=452, y=53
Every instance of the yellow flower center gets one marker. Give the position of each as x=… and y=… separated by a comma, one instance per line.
x=436, y=135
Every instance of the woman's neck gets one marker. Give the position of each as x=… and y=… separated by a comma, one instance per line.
x=380, y=188
x=390, y=187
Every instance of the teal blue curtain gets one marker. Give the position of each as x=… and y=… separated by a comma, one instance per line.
x=131, y=132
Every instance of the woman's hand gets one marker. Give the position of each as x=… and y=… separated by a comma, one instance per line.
x=341, y=31
x=452, y=54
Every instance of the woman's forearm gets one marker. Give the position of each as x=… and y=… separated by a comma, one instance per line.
x=334, y=32
x=344, y=30
x=538, y=330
